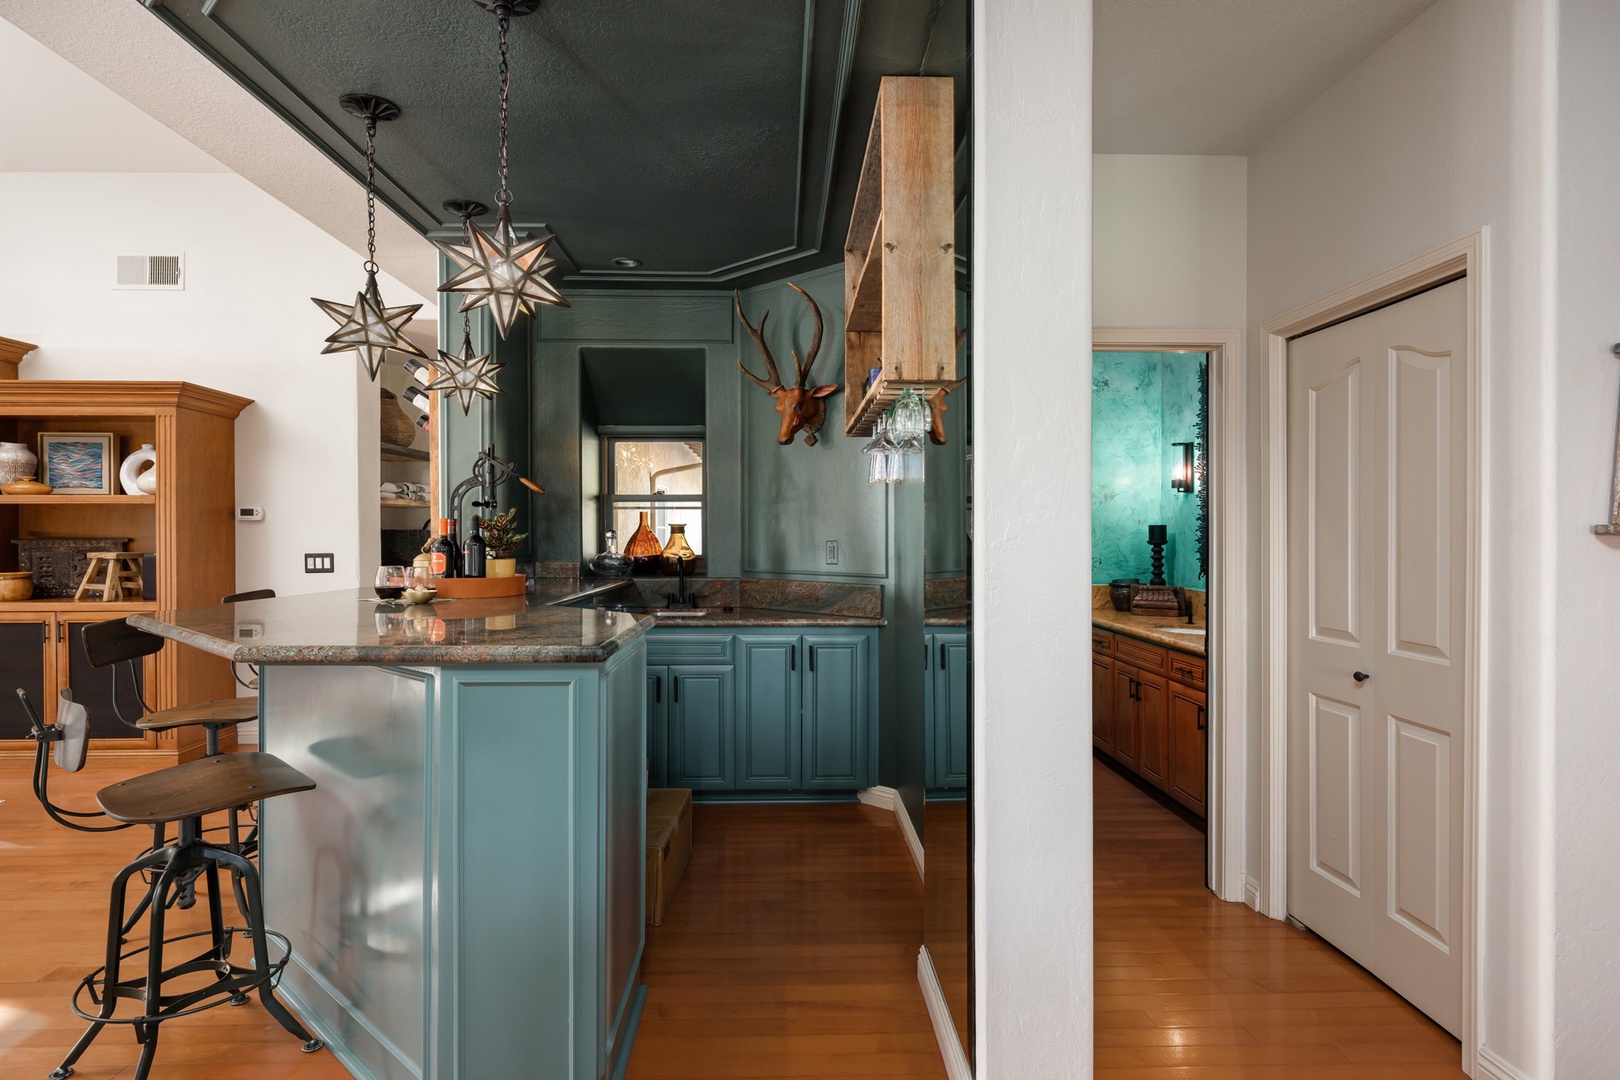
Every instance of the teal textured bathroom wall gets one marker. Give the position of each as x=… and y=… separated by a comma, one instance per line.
x=1141, y=404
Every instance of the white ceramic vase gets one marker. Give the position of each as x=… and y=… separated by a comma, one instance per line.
x=130, y=475
x=16, y=462
x=146, y=483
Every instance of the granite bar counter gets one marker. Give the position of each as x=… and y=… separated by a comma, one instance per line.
x=463, y=890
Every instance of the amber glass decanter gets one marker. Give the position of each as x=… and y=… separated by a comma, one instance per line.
x=678, y=550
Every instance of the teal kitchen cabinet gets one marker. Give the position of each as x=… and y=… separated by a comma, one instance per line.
x=701, y=728
x=768, y=712
x=947, y=703
x=837, y=711
x=657, y=726
x=802, y=716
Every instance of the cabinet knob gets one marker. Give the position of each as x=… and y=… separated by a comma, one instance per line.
x=1361, y=676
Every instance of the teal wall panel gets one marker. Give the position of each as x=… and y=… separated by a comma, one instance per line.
x=1141, y=403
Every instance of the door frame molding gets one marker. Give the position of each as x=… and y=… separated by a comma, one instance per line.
x=1228, y=558
x=1466, y=258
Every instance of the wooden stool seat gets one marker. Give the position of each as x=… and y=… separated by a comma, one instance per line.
x=123, y=575
x=221, y=713
x=204, y=786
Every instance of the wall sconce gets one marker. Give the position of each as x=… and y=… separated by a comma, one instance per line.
x=1181, y=475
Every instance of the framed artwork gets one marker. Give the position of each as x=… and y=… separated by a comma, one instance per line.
x=78, y=462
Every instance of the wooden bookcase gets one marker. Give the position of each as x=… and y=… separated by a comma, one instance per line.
x=189, y=524
x=900, y=255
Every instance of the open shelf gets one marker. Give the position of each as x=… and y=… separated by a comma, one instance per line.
x=404, y=504
x=78, y=500
x=404, y=453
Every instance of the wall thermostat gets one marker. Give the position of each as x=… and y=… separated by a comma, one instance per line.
x=250, y=513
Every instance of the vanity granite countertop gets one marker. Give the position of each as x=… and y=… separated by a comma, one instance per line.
x=1154, y=628
x=351, y=627
x=952, y=616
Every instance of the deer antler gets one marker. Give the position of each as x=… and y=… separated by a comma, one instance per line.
x=802, y=371
x=758, y=334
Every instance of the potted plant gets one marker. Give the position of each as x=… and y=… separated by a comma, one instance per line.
x=502, y=539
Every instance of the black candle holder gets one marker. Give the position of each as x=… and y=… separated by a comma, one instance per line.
x=1158, y=536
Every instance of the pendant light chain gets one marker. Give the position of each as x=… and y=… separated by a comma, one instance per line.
x=371, y=196
x=503, y=195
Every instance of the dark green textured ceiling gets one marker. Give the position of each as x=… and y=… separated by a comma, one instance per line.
x=716, y=141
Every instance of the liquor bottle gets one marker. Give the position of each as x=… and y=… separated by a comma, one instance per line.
x=444, y=553
x=475, y=551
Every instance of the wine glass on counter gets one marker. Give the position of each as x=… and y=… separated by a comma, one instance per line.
x=390, y=582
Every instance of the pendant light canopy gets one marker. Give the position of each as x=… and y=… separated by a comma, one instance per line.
x=499, y=270
x=368, y=327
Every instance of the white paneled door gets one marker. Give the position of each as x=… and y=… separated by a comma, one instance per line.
x=1377, y=438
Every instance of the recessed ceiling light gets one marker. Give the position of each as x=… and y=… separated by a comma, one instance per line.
x=628, y=264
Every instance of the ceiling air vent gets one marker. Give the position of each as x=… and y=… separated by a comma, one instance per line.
x=151, y=272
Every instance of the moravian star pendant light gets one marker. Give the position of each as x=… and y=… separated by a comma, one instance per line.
x=498, y=270
x=368, y=327
x=466, y=375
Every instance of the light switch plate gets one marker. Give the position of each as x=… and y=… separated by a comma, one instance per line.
x=832, y=553
x=320, y=562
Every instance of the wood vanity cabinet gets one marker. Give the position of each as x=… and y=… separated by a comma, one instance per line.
x=1148, y=713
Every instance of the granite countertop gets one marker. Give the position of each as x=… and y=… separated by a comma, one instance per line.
x=351, y=627
x=1154, y=628
x=951, y=616
x=750, y=616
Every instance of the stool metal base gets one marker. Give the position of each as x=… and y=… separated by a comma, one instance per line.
x=176, y=864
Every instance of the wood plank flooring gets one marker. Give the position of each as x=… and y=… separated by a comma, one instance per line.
x=1191, y=988
x=790, y=951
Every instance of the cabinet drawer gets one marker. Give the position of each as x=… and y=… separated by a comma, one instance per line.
x=1102, y=642
x=1187, y=669
x=684, y=647
x=1145, y=656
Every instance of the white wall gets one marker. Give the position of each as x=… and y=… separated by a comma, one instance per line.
x=1032, y=736
x=306, y=450
x=1587, y=619
x=1169, y=241
x=1438, y=134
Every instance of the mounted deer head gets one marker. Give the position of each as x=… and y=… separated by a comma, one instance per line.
x=936, y=402
x=801, y=408
x=936, y=412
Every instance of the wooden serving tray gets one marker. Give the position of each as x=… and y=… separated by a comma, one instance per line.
x=472, y=588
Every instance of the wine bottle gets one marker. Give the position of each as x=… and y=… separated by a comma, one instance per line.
x=475, y=551
x=445, y=555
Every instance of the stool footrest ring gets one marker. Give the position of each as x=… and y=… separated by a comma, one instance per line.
x=235, y=981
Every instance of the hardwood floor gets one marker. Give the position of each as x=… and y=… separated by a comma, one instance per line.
x=790, y=951
x=1191, y=988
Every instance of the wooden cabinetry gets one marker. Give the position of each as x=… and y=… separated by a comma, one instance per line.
x=189, y=524
x=1148, y=714
x=900, y=252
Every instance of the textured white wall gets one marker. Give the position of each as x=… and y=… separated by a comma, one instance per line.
x=306, y=450
x=1437, y=134
x=1031, y=325
x=1170, y=241
x=1587, y=626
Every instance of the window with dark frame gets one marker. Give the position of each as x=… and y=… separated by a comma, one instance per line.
x=661, y=477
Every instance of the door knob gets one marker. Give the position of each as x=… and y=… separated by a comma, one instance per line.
x=1361, y=676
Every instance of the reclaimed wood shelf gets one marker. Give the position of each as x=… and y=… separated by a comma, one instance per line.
x=78, y=500
x=900, y=252
x=404, y=453
x=405, y=504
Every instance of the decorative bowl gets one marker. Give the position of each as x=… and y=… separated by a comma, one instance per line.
x=16, y=585
x=26, y=486
x=419, y=596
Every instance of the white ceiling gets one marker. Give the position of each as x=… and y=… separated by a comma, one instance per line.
x=58, y=119
x=165, y=96
x=1218, y=76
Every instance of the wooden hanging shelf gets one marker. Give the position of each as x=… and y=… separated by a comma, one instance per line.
x=900, y=254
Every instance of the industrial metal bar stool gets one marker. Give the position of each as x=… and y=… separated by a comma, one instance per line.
x=181, y=796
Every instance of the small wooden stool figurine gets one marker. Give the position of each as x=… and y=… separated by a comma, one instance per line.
x=123, y=576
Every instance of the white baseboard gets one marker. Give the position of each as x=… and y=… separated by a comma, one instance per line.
x=888, y=798
x=950, y=1047
x=1251, y=892
x=1488, y=1066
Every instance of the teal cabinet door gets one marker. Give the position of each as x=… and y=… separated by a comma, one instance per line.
x=701, y=735
x=950, y=710
x=657, y=726
x=837, y=711
x=930, y=726
x=768, y=734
